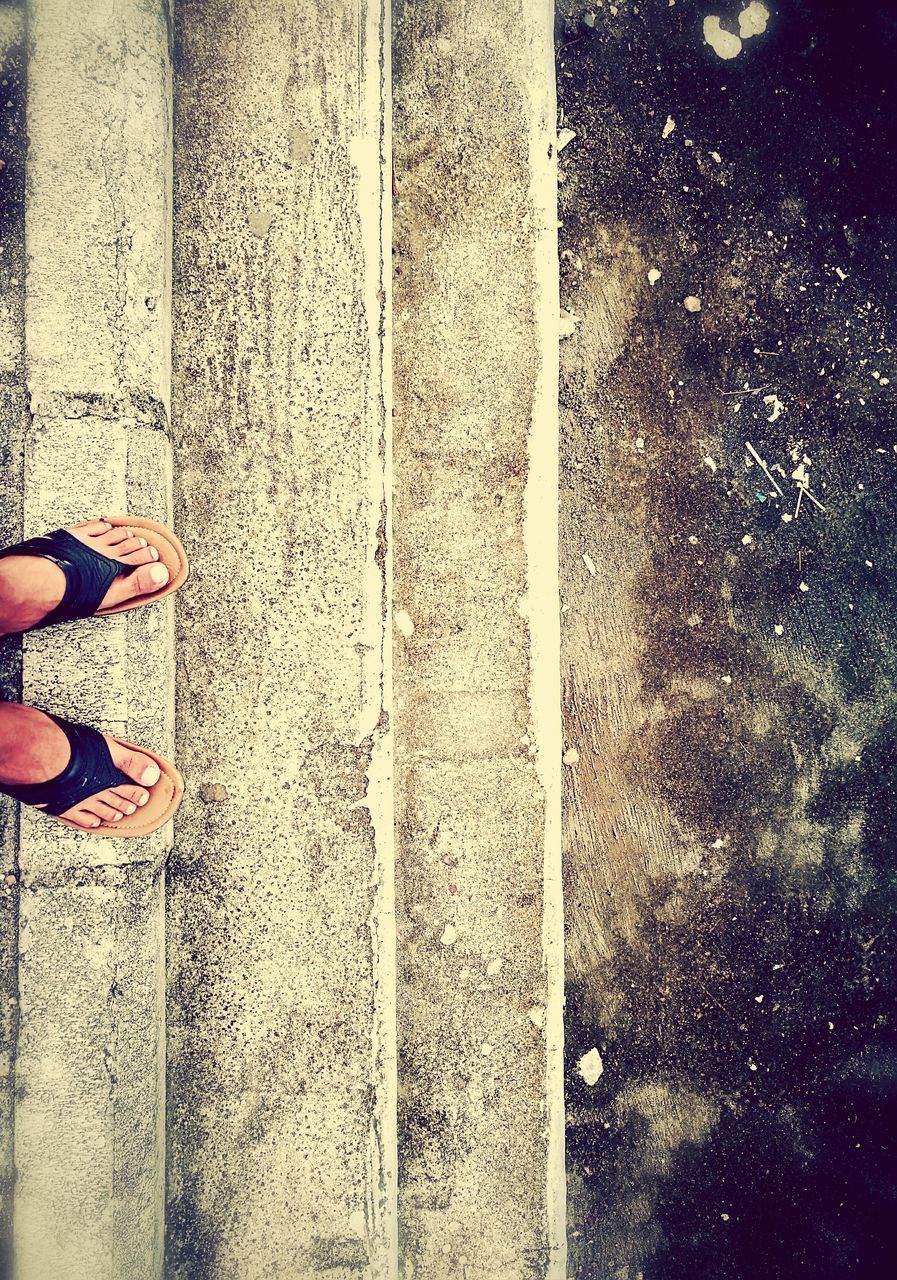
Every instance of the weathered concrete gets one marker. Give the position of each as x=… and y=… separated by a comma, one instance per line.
x=13, y=407
x=88, y=1125
x=281, y=1053
x=729, y=658
x=476, y=644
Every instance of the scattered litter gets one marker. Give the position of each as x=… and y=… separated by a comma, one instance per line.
x=565, y=136
x=804, y=586
x=763, y=467
x=669, y=127
x=653, y=277
x=449, y=935
x=752, y=20
x=568, y=323
x=570, y=756
x=591, y=1068
x=715, y=155
x=779, y=629
x=747, y=540
x=691, y=303
x=775, y=405
x=486, y=1049
x=640, y=444
x=590, y=564
x=725, y=44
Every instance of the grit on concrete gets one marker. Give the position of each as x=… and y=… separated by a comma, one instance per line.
x=479, y=919
x=729, y=661
x=89, y=1096
x=281, y=1050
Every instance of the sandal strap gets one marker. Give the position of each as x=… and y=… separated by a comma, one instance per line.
x=90, y=769
x=88, y=574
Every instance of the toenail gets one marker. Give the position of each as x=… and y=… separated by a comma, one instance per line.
x=154, y=553
x=142, y=541
x=130, y=808
x=150, y=774
x=143, y=800
x=117, y=817
x=94, y=822
x=158, y=573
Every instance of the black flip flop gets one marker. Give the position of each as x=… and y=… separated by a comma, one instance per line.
x=89, y=574
x=90, y=770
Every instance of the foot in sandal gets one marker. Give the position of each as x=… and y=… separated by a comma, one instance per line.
x=84, y=778
x=100, y=566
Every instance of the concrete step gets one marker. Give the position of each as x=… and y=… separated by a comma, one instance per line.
x=343, y=1097
x=89, y=1062
x=478, y=747
x=282, y=1151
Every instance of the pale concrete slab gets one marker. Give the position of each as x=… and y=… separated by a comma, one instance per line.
x=97, y=337
x=281, y=1051
x=478, y=749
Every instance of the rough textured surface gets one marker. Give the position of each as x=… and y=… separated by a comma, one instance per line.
x=281, y=1053
x=12, y=430
x=477, y=746
x=89, y=1066
x=729, y=671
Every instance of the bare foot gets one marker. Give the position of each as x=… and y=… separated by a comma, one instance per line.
x=32, y=586
x=33, y=748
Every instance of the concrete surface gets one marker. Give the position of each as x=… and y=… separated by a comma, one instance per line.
x=13, y=412
x=281, y=1084
x=728, y=658
x=478, y=754
x=88, y=1123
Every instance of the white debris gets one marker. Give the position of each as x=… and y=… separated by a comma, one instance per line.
x=653, y=277
x=776, y=407
x=449, y=935
x=565, y=136
x=568, y=323
x=403, y=622
x=591, y=1068
x=691, y=303
x=752, y=20
x=570, y=756
x=669, y=127
x=725, y=44
x=590, y=565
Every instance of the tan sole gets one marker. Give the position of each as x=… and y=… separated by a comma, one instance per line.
x=164, y=798
x=171, y=554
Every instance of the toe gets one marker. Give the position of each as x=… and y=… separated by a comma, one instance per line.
x=135, y=764
x=143, y=555
x=115, y=801
x=83, y=817
x=142, y=582
x=127, y=545
x=102, y=810
x=133, y=796
x=93, y=527
x=114, y=535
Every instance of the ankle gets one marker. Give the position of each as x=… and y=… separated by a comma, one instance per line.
x=32, y=747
